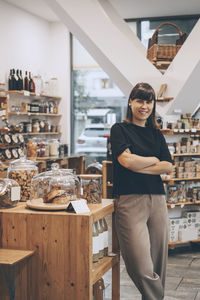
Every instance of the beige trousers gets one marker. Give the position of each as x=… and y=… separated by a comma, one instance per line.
x=142, y=229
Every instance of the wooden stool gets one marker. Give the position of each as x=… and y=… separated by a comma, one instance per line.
x=10, y=257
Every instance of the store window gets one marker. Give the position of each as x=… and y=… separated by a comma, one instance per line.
x=97, y=103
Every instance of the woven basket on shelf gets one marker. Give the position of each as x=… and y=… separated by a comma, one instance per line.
x=157, y=52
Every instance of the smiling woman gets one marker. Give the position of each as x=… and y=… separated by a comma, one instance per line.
x=140, y=155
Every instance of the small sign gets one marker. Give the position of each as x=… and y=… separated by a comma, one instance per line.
x=78, y=206
x=26, y=93
x=193, y=130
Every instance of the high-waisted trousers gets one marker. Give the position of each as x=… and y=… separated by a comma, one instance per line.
x=142, y=230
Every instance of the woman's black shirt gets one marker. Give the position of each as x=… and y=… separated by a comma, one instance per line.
x=144, y=141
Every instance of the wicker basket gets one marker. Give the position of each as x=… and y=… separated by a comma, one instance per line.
x=157, y=52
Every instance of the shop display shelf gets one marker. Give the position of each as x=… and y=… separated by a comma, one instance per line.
x=40, y=133
x=173, y=244
x=182, y=204
x=27, y=93
x=32, y=114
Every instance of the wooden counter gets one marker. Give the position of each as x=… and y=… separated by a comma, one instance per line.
x=62, y=266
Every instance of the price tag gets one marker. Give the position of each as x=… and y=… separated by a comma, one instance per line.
x=187, y=130
x=175, y=130
x=182, y=205
x=15, y=193
x=193, y=130
x=78, y=206
x=172, y=205
x=26, y=93
x=181, y=130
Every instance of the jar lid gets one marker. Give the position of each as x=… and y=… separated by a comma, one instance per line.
x=23, y=164
x=90, y=176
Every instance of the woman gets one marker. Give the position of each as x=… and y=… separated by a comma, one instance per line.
x=140, y=155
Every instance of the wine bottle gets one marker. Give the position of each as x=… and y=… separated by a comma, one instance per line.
x=21, y=80
x=26, y=82
x=17, y=80
x=31, y=84
x=10, y=80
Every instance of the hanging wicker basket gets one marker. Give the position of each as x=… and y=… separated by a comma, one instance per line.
x=167, y=52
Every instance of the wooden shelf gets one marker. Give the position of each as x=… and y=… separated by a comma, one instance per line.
x=180, y=131
x=165, y=99
x=185, y=154
x=182, y=179
x=169, y=205
x=27, y=93
x=102, y=266
x=12, y=256
x=32, y=114
x=173, y=244
x=39, y=133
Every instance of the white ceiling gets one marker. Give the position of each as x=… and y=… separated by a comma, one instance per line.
x=125, y=8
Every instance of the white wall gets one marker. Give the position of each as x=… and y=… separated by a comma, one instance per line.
x=33, y=44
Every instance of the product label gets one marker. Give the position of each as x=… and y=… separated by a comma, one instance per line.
x=15, y=193
x=26, y=93
x=95, y=246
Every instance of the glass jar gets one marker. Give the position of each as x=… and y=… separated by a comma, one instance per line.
x=22, y=171
x=35, y=126
x=55, y=108
x=91, y=188
x=46, y=126
x=54, y=147
x=28, y=127
x=9, y=193
x=31, y=148
x=94, y=168
x=53, y=187
x=53, y=86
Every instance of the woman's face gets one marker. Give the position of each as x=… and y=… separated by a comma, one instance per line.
x=141, y=110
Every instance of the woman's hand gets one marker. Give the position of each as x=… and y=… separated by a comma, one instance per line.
x=162, y=167
x=135, y=162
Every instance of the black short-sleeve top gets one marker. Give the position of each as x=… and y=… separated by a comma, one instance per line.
x=143, y=141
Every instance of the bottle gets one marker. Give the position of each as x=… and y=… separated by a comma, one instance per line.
x=95, y=244
x=15, y=81
x=105, y=228
x=21, y=80
x=10, y=80
x=26, y=82
x=101, y=239
x=18, y=80
x=31, y=84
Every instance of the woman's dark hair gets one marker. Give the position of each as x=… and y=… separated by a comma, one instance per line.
x=142, y=91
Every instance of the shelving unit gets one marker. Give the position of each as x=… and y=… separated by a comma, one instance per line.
x=108, y=187
x=27, y=97
x=60, y=268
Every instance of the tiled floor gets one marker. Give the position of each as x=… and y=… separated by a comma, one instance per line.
x=183, y=277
